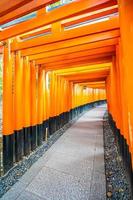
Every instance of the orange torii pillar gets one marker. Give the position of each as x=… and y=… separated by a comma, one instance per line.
x=18, y=106
x=52, y=125
x=40, y=133
x=8, y=125
x=45, y=121
x=70, y=99
x=67, y=94
x=58, y=103
x=126, y=30
x=62, y=102
x=26, y=105
x=33, y=117
x=123, y=97
x=55, y=103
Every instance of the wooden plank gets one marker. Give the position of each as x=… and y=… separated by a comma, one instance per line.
x=10, y=5
x=93, y=40
x=80, y=61
x=24, y=10
x=90, y=16
x=58, y=14
x=78, y=64
x=88, y=76
x=84, y=72
x=102, y=78
x=83, y=69
x=75, y=55
x=74, y=49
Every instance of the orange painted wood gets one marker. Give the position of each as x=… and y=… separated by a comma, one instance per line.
x=40, y=95
x=80, y=54
x=111, y=24
x=30, y=6
x=81, y=60
x=79, y=48
x=64, y=12
x=26, y=93
x=18, y=95
x=10, y=5
x=33, y=93
x=73, y=21
x=8, y=123
x=89, y=16
x=79, y=64
x=93, y=40
x=126, y=16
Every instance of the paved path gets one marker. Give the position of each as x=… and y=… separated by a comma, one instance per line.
x=72, y=169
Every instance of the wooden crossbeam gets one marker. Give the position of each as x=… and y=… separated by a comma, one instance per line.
x=87, y=76
x=110, y=24
x=79, y=48
x=77, y=58
x=8, y=5
x=31, y=6
x=76, y=64
x=85, y=68
x=92, y=40
x=75, y=55
x=102, y=78
x=85, y=71
x=75, y=20
x=58, y=14
x=90, y=16
x=78, y=61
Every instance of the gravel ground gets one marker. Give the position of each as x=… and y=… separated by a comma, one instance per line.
x=117, y=182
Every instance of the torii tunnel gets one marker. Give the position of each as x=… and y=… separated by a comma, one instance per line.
x=59, y=59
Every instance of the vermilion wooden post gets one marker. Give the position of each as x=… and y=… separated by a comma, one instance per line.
x=18, y=107
x=27, y=105
x=40, y=106
x=8, y=124
x=33, y=101
x=126, y=23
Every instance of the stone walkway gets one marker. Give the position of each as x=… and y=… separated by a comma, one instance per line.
x=72, y=169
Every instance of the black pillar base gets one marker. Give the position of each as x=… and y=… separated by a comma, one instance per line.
x=8, y=152
x=54, y=124
x=33, y=136
x=46, y=122
x=27, y=140
x=39, y=134
x=51, y=126
x=19, y=145
x=58, y=122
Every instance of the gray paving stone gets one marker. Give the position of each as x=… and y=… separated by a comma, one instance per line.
x=54, y=185
x=34, y=170
x=98, y=178
x=98, y=191
x=29, y=196
x=75, y=166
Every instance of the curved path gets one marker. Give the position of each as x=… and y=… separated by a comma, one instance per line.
x=72, y=169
